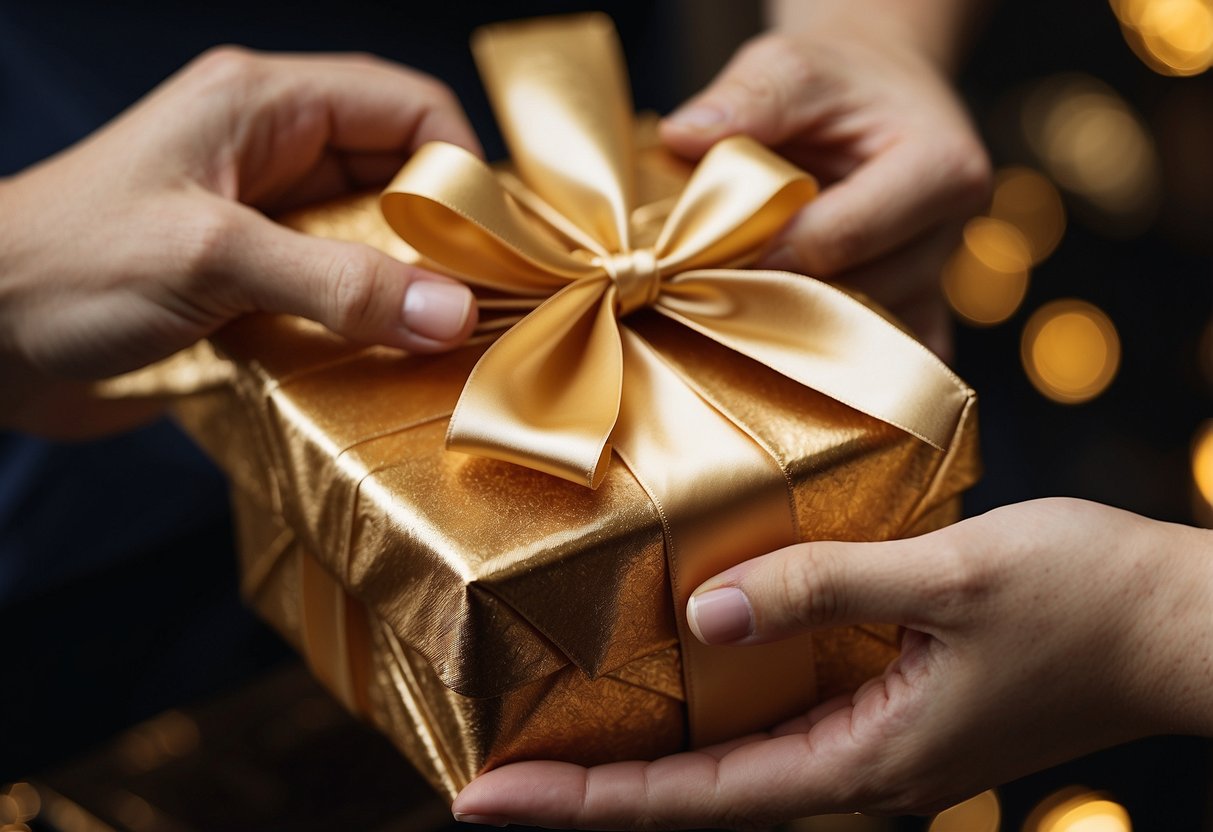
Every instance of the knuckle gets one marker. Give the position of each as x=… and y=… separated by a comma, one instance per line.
x=353, y=290
x=964, y=578
x=763, y=83
x=204, y=251
x=778, y=57
x=436, y=92
x=208, y=242
x=225, y=64
x=806, y=591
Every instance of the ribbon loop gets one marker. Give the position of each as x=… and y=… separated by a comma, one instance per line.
x=636, y=277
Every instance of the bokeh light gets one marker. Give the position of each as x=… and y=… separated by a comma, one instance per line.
x=21, y=802
x=1070, y=351
x=999, y=245
x=986, y=278
x=1202, y=473
x=977, y=814
x=1078, y=811
x=1091, y=142
x=1027, y=200
x=10, y=809
x=1172, y=37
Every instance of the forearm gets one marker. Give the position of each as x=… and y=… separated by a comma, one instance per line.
x=940, y=29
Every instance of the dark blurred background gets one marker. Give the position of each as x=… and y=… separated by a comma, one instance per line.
x=1084, y=307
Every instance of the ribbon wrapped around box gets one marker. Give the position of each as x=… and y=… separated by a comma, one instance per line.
x=641, y=413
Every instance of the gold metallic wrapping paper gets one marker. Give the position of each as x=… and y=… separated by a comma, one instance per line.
x=480, y=612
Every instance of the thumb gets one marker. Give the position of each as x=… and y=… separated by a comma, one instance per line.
x=768, y=91
x=811, y=586
x=353, y=289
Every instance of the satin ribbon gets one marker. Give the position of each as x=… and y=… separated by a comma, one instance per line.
x=547, y=394
x=572, y=378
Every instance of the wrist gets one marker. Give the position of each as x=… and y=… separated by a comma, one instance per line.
x=1171, y=640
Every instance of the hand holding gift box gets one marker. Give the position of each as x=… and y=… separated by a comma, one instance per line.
x=482, y=611
x=150, y=235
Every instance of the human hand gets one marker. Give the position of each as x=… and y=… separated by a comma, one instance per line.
x=149, y=235
x=1034, y=633
x=867, y=110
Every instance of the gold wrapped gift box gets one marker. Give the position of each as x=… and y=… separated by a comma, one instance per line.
x=480, y=612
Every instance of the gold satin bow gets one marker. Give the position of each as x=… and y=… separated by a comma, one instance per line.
x=547, y=393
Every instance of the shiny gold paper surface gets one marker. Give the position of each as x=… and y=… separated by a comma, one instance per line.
x=479, y=611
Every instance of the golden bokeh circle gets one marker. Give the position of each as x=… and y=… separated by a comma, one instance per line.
x=1070, y=351
x=1096, y=815
x=1027, y=200
x=27, y=800
x=1095, y=146
x=1202, y=462
x=986, y=278
x=1172, y=37
x=10, y=809
x=998, y=244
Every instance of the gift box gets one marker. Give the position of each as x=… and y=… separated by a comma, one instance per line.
x=486, y=554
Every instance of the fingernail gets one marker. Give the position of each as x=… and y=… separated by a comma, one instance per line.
x=483, y=820
x=701, y=116
x=720, y=616
x=782, y=259
x=436, y=309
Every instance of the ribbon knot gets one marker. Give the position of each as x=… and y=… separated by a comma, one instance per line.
x=636, y=277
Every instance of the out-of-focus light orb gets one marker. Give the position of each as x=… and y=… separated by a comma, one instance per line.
x=1027, y=200
x=1202, y=464
x=1088, y=813
x=977, y=814
x=26, y=799
x=986, y=278
x=1091, y=142
x=998, y=244
x=10, y=809
x=1070, y=351
x=1173, y=37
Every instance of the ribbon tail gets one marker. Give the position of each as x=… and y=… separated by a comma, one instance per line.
x=826, y=340
x=546, y=394
x=718, y=508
